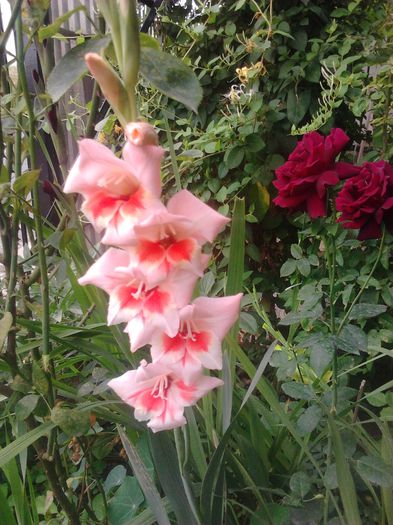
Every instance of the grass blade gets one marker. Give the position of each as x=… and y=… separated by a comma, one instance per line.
x=345, y=481
x=20, y=444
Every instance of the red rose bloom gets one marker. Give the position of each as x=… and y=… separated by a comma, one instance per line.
x=311, y=167
x=366, y=200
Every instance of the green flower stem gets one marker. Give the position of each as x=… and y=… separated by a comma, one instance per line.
x=330, y=251
x=172, y=152
x=365, y=284
x=47, y=364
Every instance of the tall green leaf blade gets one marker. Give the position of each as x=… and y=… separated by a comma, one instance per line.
x=234, y=285
x=20, y=444
x=387, y=456
x=345, y=481
x=149, y=489
x=171, y=76
x=168, y=472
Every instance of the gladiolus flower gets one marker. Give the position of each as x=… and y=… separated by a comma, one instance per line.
x=132, y=300
x=159, y=393
x=118, y=193
x=203, y=325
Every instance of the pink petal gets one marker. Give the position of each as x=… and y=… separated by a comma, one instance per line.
x=217, y=314
x=105, y=272
x=207, y=223
x=96, y=165
x=210, y=354
x=145, y=162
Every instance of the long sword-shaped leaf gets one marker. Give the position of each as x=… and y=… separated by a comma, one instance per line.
x=167, y=468
x=20, y=444
x=234, y=285
x=345, y=481
x=149, y=489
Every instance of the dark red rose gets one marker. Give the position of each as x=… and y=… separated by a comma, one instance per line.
x=311, y=167
x=366, y=200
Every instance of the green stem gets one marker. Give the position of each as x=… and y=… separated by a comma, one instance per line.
x=47, y=364
x=365, y=284
x=172, y=152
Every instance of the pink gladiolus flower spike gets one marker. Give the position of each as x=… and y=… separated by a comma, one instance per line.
x=131, y=300
x=117, y=193
x=203, y=325
x=159, y=393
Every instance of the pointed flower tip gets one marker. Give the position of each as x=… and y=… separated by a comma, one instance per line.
x=141, y=134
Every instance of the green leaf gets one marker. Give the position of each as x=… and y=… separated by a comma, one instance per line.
x=352, y=340
x=148, y=41
x=40, y=381
x=300, y=484
x=297, y=105
x=25, y=182
x=5, y=326
x=366, y=311
x=375, y=470
x=124, y=504
x=115, y=478
x=142, y=475
x=21, y=443
x=259, y=196
x=167, y=469
x=297, y=317
x=71, y=67
x=303, y=266
x=296, y=251
x=309, y=420
x=25, y=406
x=171, y=76
x=72, y=421
x=233, y=157
x=288, y=268
x=345, y=481
x=51, y=29
x=298, y=390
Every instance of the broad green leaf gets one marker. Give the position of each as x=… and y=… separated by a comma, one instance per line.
x=115, y=478
x=71, y=67
x=72, y=421
x=5, y=326
x=366, y=311
x=345, y=481
x=352, y=340
x=234, y=157
x=288, y=268
x=146, y=483
x=297, y=105
x=259, y=196
x=25, y=406
x=51, y=29
x=21, y=443
x=296, y=251
x=148, y=41
x=171, y=76
x=125, y=503
x=297, y=317
x=375, y=470
x=298, y=390
x=24, y=184
x=300, y=484
x=309, y=420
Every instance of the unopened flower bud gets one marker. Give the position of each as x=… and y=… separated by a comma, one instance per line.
x=108, y=80
x=141, y=134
